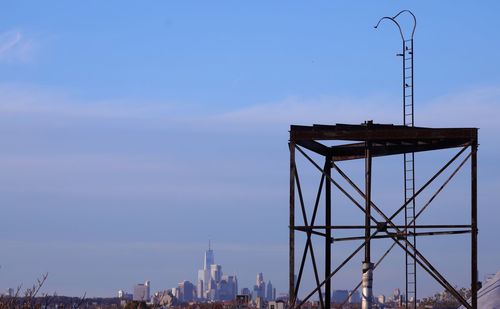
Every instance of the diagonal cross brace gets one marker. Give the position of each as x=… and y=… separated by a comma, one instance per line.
x=432, y=271
x=308, y=242
x=442, y=280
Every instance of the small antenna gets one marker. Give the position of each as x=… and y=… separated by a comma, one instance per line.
x=209, y=245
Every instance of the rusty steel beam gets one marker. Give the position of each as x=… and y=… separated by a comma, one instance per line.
x=351, y=227
x=291, y=242
x=378, y=132
x=356, y=151
x=402, y=235
x=316, y=147
x=328, y=236
x=474, y=276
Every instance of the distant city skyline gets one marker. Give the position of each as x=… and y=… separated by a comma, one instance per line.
x=131, y=133
x=211, y=285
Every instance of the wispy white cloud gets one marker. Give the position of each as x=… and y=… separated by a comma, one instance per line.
x=28, y=101
x=15, y=47
x=479, y=107
x=24, y=111
x=475, y=107
x=471, y=107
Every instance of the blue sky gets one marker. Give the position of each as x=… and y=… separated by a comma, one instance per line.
x=132, y=132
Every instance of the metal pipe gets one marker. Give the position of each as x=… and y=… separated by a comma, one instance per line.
x=367, y=269
x=368, y=179
x=367, y=285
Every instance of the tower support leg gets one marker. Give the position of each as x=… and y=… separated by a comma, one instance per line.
x=367, y=278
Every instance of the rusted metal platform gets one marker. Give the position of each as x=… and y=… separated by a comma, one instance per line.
x=366, y=141
x=385, y=139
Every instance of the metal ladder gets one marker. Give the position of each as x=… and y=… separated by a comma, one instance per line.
x=409, y=158
x=409, y=175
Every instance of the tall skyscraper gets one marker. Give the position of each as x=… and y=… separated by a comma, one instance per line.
x=270, y=291
x=209, y=257
x=202, y=285
x=260, y=286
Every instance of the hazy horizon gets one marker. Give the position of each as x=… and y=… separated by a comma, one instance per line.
x=132, y=134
